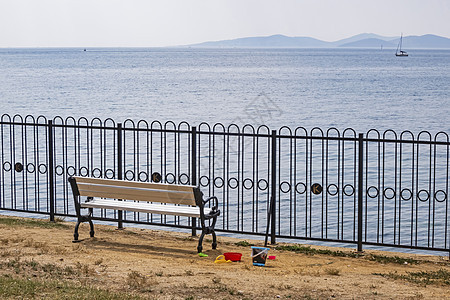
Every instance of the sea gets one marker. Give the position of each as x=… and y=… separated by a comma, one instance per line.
x=339, y=88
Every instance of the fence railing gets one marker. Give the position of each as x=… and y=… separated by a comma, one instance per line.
x=377, y=188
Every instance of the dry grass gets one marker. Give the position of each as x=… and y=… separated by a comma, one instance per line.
x=332, y=271
x=161, y=265
x=440, y=277
x=137, y=281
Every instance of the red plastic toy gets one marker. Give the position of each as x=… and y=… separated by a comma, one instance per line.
x=233, y=256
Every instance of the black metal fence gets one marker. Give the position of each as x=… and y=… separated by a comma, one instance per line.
x=377, y=188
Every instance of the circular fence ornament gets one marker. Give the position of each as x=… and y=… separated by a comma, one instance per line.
x=262, y=184
x=233, y=183
x=248, y=183
x=129, y=175
x=59, y=170
x=316, y=189
x=142, y=176
x=109, y=173
x=170, y=178
x=406, y=194
x=349, y=190
x=7, y=166
x=30, y=168
x=18, y=167
x=332, y=189
x=204, y=181
x=218, y=182
x=156, y=177
x=42, y=169
x=389, y=193
x=285, y=187
x=440, y=196
x=423, y=195
x=372, y=192
x=183, y=178
x=96, y=173
x=300, y=188
x=83, y=171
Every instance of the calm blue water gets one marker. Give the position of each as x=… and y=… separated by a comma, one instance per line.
x=340, y=88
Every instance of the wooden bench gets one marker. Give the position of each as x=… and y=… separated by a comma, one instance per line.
x=154, y=198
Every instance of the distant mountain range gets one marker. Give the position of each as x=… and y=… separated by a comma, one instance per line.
x=364, y=40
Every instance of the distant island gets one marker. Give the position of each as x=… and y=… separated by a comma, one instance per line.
x=364, y=40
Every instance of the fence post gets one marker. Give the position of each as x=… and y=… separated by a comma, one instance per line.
x=50, y=171
x=273, y=187
x=194, y=171
x=360, y=190
x=119, y=168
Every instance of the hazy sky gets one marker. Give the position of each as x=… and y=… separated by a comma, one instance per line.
x=147, y=23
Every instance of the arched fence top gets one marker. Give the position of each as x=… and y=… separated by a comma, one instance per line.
x=351, y=130
x=233, y=128
x=335, y=130
x=316, y=131
x=407, y=132
x=170, y=125
x=83, y=120
x=143, y=124
x=184, y=124
x=129, y=124
x=425, y=133
x=157, y=123
x=303, y=129
x=96, y=122
x=220, y=126
x=286, y=129
x=388, y=132
x=443, y=134
x=262, y=128
x=373, y=131
x=373, y=134
x=202, y=126
x=249, y=128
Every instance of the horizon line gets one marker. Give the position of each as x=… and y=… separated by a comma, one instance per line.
x=228, y=39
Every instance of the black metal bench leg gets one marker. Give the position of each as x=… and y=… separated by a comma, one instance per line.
x=200, y=242
x=214, y=243
x=91, y=233
x=75, y=233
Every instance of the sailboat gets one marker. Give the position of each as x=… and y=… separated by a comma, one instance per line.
x=399, y=51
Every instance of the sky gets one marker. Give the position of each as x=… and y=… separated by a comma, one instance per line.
x=147, y=23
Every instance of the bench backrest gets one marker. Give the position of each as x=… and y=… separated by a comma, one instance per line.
x=132, y=190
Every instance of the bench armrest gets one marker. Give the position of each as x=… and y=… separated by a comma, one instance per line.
x=215, y=202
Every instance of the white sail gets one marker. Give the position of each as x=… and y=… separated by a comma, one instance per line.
x=399, y=51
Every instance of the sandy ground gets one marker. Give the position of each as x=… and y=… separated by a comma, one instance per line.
x=165, y=265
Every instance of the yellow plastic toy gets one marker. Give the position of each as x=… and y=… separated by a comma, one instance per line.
x=221, y=259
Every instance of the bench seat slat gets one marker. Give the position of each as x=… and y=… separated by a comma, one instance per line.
x=124, y=183
x=186, y=211
x=136, y=193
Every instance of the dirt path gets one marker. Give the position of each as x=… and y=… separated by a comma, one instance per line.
x=165, y=265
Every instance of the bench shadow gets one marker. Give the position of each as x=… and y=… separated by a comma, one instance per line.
x=96, y=243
